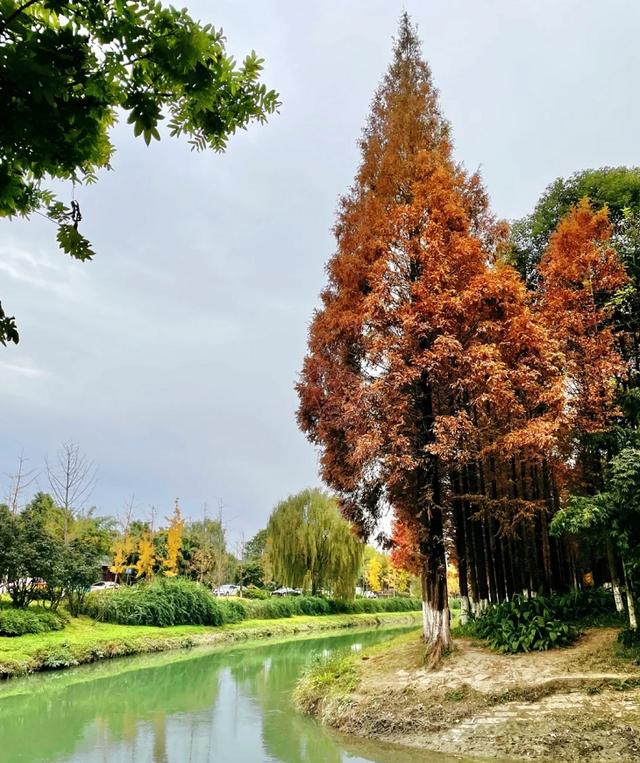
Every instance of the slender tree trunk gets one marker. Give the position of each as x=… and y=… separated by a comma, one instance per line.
x=486, y=542
x=461, y=547
x=631, y=606
x=472, y=563
x=435, y=599
x=478, y=545
x=615, y=581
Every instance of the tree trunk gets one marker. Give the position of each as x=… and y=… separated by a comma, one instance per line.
x=631, y=607
x=461, y=548
x=435, y=605
x=615, y=582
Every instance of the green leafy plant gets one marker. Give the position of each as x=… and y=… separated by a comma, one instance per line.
x=524, y=625
x=59, y=657
x=629, y=638
x=586, y=607
x=17, y=622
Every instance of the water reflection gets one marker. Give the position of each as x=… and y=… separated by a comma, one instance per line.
x=228, y=707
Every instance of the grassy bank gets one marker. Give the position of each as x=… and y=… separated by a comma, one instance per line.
x=582, y=701
x=83, y=640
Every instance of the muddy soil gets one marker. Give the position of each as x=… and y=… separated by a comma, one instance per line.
x=574, y=704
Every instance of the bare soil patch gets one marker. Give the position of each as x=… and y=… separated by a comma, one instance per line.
x=581, y=703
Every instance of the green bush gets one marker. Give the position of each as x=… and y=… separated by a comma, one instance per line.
x=59, y=656
x=588, y=606
x=273, y=608
x=176, y=601
x=17, y=622
x=524, y=625
x=253, y=592
x=233, y=611
x=289, y=606
x=163, y=602
x=362, y=606
x=314, y=605
x=629, y=638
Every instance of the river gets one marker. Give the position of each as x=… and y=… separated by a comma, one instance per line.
x=230, y=706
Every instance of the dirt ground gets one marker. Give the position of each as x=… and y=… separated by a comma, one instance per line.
x=575, y=704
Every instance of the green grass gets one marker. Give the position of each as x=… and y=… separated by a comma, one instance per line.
x=83, y=640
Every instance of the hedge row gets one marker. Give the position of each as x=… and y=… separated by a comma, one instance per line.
x=172, y=601
x=316, y=605
x=17, y=622
x=163, y=602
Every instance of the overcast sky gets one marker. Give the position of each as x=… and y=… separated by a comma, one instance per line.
x=171, y=358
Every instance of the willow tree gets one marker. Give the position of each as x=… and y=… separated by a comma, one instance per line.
x=311, y=545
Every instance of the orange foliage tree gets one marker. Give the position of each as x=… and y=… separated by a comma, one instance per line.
x=579, y=273
x=435, y=383
x=412, y=234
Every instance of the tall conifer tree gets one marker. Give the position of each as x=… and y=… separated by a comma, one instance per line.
x=412, y=233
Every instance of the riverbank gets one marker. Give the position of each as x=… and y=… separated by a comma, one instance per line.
x=84, y=640
x=578, y=704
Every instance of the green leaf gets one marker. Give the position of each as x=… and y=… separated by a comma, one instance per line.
x=74, y=243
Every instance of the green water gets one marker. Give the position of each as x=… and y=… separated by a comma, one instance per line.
x=231, y=706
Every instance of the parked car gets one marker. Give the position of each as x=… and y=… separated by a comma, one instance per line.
x=370, y=595
x=105, y=585
x=229, y=589
x=287, y=592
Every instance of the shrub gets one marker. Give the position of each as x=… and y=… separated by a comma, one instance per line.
x=588, y=605
x=163, y=602
x=290, y=606
x=175, y=601
x=389, y=604
x=253, y=592
x=314, y=605
x=59, y=657
x=629, y=638
x=524, y=625
x=17, y=622
x=232, y=611
x=273, y=608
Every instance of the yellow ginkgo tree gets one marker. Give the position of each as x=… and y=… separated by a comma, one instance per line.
x=174, y=542
x=145, y=566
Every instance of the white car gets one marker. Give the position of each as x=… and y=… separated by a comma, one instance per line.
x=105, y=585
x=229, y=589
x=287, y=592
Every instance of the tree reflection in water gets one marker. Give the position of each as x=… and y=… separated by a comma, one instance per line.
x=228, y=706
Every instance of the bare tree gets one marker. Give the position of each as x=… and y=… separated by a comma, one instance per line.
x=220, y=549
x=128, y=515
x=19, y=482
x=72, y=479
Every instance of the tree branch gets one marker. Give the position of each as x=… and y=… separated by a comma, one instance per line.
x=20, y=9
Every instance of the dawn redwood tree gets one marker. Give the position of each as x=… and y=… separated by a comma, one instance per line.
x=579, y=273
x=412, y=233
x=578, y=276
